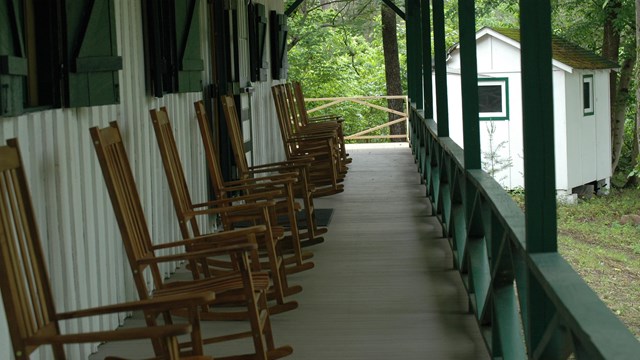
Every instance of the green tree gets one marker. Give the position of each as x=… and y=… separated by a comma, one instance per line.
x=336, y=50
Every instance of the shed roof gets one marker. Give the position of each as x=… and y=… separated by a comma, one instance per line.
x=567, y=52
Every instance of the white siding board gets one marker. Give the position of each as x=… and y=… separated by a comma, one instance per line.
x=504, y=57
x=603, y=126
x=560, y=129
x=588, y=149
x=573, y=112
x=454, y=99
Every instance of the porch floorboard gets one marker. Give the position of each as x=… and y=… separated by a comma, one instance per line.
x=383, y=287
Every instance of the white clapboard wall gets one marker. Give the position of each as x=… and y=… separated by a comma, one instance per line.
x=77, y=225
x=86, y=259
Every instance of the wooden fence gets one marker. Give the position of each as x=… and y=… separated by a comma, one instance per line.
x=365, y=101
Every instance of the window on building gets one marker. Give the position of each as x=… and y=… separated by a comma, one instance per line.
x=493, y=99
x=57, y=54
x=587, y=95
x=173, y=56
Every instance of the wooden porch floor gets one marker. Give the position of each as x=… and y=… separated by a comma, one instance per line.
x=383, y=286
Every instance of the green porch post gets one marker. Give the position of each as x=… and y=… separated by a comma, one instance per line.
x=427, y=87
x=539, y=167
x=414, y=53
x=469, y=83
x=427, y=83
x=441, y=68
x=537, y=108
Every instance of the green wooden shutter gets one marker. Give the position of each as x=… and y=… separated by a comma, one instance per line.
x=92, y=58
x=189, y=61
x=258, y=40
x=279, y=32
x=13, y=61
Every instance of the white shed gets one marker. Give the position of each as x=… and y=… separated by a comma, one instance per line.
x=581, y=101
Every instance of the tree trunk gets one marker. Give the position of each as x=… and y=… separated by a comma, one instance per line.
x=392, y=68
x=619, y=111
x=610, y=50
x=636, y=133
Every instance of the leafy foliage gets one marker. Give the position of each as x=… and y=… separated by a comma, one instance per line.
x=334, y=53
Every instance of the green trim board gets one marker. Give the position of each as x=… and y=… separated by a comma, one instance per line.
x=493, y=99
x=588, y=105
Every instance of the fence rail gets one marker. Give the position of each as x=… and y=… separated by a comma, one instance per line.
x=364, y=100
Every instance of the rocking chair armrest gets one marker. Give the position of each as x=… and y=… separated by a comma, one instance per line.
x=259, y=171
x=320, y=118
x=283, y=164
x=318, y=153
x=250, y=186
x=291, y=177
x=224, y=205
x=317, y=147
x=269, y=189
x=309, y=137
x=228, y=237
x=318, y=129
x=159, y=304
x=193, y=255
x=112, y=335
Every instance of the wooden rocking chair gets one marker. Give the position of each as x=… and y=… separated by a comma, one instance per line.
x=304, y=189
x=258, y=208
x=26, y=291
x=286, y=205
x=319, y=124
x=301, y=126
x=325, y=169
x=243, y=283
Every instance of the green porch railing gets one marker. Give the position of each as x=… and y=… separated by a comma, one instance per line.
x=491, y=255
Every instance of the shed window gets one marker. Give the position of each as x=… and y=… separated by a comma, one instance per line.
x=587, y=95
x=493, y=99
x=50, y=60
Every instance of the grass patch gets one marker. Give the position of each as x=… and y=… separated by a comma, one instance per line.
x=605, y=252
